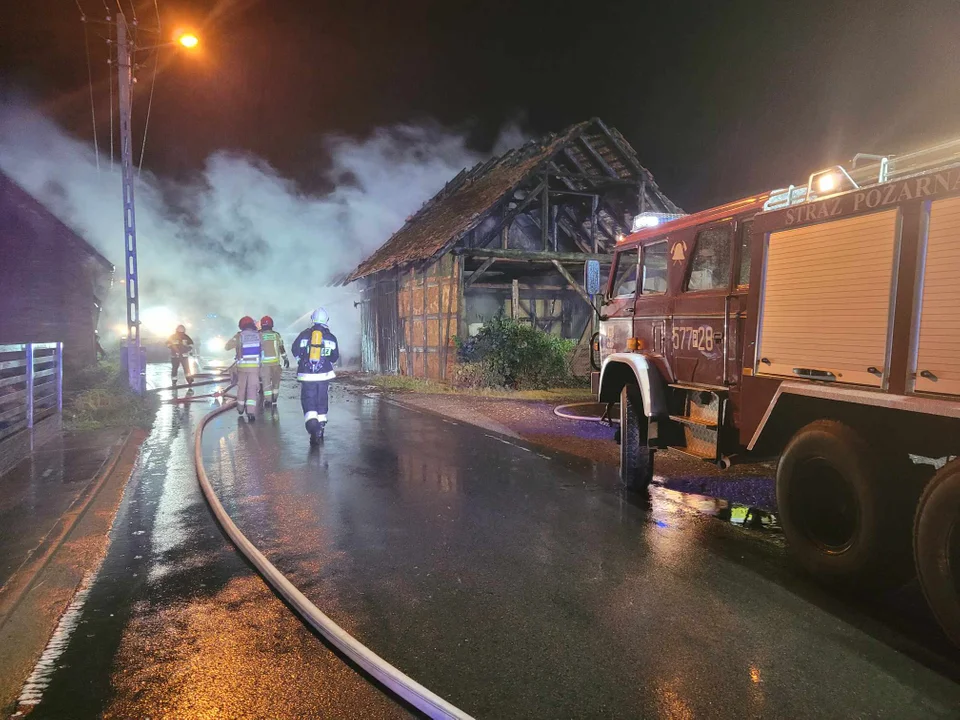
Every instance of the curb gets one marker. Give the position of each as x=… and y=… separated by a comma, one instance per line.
x=399, y=684
x=22, y=580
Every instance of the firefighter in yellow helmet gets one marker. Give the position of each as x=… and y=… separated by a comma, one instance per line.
x=246, y=343
x=271, y=352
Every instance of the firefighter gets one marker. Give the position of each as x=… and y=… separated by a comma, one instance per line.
x=101, y=353
x=181, y=347
x=246, y=343
x=271, y=352
x=316, y=352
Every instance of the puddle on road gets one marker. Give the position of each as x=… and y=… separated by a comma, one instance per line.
x=743, y=516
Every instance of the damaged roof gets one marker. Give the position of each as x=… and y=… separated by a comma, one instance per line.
x=464, y=202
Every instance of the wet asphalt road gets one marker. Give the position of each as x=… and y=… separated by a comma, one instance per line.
x=176, y=625
x=512, y=581
x=520, y=583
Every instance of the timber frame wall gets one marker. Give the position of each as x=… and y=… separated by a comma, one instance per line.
x=429, y=301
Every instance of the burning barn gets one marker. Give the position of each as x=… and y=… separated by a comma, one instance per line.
x=509, y=235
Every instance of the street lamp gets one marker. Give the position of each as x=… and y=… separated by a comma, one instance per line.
x=125, y=51
x=188, y=40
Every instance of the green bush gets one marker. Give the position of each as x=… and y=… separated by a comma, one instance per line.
x=507, y=353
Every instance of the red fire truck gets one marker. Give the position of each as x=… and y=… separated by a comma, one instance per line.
x=820, y=324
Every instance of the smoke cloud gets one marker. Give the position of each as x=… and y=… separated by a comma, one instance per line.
x=239, y=239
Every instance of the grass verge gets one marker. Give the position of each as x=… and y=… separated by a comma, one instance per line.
x=401, y=384
x=97, y=397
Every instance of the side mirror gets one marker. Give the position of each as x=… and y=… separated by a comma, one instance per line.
x=591, y=277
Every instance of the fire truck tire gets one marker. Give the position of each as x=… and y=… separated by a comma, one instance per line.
x=842, y=516
x=636, y=458
x=936, y=547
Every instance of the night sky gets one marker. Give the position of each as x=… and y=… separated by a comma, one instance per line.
x=720, y=99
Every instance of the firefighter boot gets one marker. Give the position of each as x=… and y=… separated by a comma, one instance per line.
x=314, y=430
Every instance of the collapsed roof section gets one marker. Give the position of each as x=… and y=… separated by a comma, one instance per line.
x=578, y=190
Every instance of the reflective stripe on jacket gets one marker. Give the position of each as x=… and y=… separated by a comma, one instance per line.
x=271, y=347
x=316, y=350
x=248, y=349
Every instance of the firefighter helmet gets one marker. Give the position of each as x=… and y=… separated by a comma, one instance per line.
x=266, y=323
x=247, y=323
x=180, y=329
x=320, y=317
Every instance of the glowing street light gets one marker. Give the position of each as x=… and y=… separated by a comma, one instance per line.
x=188, y=40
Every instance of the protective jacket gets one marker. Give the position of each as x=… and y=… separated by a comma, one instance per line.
x=247, y=346
x=180, y=345
x=271, y=347
x=316, y=351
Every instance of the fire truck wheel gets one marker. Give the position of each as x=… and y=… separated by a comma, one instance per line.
x=636, y=458
x=936, y=547
x=841, y=510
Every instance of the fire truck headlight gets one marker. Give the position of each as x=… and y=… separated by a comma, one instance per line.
x=827, y=182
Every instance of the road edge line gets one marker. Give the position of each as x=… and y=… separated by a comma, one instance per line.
x=401, y=685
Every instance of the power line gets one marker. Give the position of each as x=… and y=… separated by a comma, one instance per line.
x=153, y=84
x=93, y=109
x=146, y=124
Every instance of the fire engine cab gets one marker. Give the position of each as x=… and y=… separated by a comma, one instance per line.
x=819, y=323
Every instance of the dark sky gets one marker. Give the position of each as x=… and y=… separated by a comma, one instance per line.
x=720, y=99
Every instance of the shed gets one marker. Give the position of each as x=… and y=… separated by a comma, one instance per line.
x=509, y=235
x=52, y=279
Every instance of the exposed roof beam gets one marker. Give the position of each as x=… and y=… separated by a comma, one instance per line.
x=510, y=216
x=593, y=179
x=532, y=256
x=598, y=158
x=634, y=162
x=574, y=284
x=476, y=274
x=575, y=231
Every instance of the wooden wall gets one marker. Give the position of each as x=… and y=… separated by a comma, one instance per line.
x=379, y=326
x=48, y=280
x=429, y=309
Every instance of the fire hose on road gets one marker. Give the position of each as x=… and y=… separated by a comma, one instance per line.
x=567, y=413
x=399, y=684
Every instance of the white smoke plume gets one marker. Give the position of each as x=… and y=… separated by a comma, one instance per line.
x=239, y=239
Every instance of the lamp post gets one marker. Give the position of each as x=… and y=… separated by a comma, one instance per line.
x=125, y=52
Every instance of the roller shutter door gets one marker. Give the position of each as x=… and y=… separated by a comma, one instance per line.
x=938, y=347
x=826, y=299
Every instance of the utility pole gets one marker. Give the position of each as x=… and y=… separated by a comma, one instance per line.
x=125, y=51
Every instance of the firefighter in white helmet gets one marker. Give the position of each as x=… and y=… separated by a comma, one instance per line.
x=316, y=351
x=246, y=343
